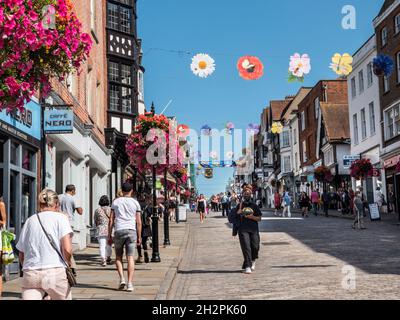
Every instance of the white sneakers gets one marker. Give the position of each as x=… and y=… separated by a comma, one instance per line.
x=253, y=266
x=124, y=286
x=247, y=271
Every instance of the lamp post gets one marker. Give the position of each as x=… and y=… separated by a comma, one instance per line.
x=156, y=253
x=166, y=211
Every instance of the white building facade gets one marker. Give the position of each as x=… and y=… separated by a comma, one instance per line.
x=364, y=115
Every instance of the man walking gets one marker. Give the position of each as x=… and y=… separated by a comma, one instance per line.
x=127, y=224
x=249, y=217
x=69, y=205
x=225, y=203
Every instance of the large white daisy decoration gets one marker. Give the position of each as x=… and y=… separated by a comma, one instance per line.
x=202, y=65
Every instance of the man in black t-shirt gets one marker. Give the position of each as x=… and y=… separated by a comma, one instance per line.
x=249, y=236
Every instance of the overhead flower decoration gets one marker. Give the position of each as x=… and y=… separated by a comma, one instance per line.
x=361, y=169
x=342, y=64
x=250, y=68
x=299, y=66
x=229, y=127
x=183, y=131
x=213, y=155
x=206, y=130
x=203, y=65
x=323, y=174
x=253, y=128
x=277, y=128
x=230, y=155
x=383, y=65
x=36, y=46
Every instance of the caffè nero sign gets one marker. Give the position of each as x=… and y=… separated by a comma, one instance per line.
x=22, y=124
x=58, y=121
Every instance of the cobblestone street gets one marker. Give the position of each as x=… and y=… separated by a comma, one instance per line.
x=299, y=259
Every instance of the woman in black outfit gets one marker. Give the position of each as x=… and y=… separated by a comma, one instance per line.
x=147, y=212
x=304, y=203
x=201, y=207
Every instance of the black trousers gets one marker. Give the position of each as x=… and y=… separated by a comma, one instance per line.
x=250, y=244
x=224, y=209
x=144, y=245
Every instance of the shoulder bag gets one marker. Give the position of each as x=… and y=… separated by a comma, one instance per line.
x=70, y=275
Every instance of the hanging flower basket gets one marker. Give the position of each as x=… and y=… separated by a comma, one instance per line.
x=137, y=144
x=37, y=45
x=383, y=65
x=398, y=167
x=361, y=169
x=323, y=174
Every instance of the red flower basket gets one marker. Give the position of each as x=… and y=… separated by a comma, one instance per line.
x=323, y=174
x=361, y=169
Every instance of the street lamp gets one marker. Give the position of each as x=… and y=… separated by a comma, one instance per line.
x=156, y=253
x=166, y=212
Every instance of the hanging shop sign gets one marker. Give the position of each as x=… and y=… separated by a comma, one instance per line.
x=24, y=125
x=348, y=161
x=392, y=162
x=58, y=121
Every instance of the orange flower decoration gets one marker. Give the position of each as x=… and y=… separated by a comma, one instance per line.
x=250, y=68
x=183, y=131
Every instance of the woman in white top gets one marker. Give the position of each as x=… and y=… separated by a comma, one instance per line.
x=44, y=271
x=3, y=224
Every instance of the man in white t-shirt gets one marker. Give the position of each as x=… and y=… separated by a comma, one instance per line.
x=127, y=224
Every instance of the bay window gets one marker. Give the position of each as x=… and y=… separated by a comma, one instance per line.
x=392, y=122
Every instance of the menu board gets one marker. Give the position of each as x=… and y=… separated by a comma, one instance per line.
x=374, y=212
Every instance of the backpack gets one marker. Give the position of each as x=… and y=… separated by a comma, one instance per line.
x=287, y=199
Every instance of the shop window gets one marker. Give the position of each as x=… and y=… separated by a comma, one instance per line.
x=14, y=153
x=28, y=159
x=27, y=198
x=2, y=146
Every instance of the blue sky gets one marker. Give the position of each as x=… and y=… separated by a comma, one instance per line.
x=227, y=30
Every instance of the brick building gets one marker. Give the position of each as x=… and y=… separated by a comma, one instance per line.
x=387, y=30
x=82, y=158
x=312, y=126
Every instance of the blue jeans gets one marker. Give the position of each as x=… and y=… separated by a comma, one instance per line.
x=315, y=207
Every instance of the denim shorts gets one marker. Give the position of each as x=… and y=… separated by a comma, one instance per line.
x=125, y=238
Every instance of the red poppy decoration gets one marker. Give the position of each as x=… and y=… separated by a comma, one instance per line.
x=183, y=131
x=250, y=68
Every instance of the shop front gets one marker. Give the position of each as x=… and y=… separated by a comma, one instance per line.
x=392, y=177
x=20, y=136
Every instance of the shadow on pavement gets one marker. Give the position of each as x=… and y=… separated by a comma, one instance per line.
x=208, y=271
x=375, y=250
x=91, y=286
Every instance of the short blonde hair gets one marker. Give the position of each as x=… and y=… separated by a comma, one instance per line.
x=48, y=198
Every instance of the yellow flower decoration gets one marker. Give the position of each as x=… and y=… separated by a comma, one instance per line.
x=342, y=64
x=277, y=128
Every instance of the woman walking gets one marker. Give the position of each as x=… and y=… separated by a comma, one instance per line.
x=102, y=217
x=201, y=207
x=172, y=207
x=43, y=268
x=287, y=202
x=277, y=203
x=358, y=205
x=304, y=203
x=147, y=213
x=3, y=225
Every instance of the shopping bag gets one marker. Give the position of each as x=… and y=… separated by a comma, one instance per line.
x=7, y=250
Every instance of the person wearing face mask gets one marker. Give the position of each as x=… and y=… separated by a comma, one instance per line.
x=249, y=236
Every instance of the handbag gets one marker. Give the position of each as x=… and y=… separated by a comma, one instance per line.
x=7, y=256
x=70, y=275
